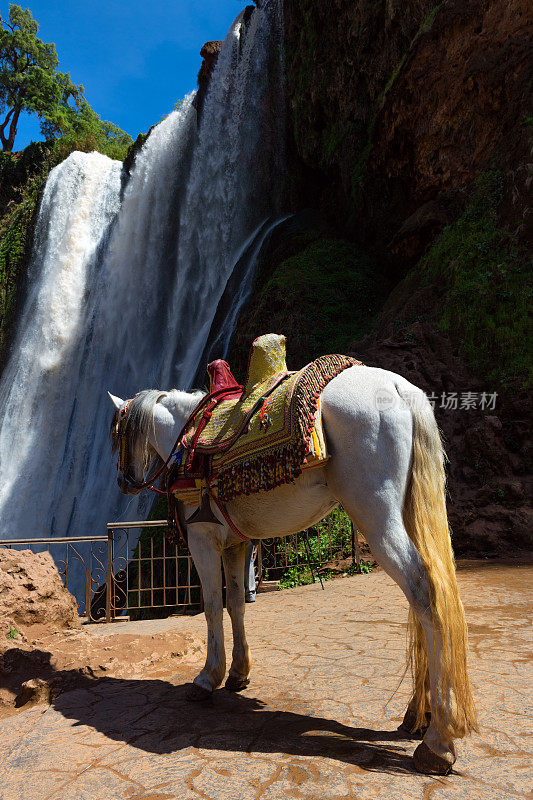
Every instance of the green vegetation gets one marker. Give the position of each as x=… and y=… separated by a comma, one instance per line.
x=486, y=284
x=87, y=132
x=331, y=538
x=13, y=633
x=302, y=576
x=29, y=78
x=336, y=293
x=30, y=81
x=21, y=182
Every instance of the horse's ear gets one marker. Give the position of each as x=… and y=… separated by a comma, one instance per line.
x=117, y=402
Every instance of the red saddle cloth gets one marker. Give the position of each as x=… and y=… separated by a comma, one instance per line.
x=221, y=377
x=223, y=386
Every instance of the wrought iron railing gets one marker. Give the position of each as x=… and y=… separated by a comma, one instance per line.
x=127, y=573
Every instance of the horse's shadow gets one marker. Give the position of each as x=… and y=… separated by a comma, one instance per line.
x=155, y=716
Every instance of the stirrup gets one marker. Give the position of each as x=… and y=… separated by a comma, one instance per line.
x=204, y=513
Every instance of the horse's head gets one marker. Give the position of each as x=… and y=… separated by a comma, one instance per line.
x=130, y=438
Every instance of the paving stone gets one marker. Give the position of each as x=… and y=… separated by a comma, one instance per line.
x=318, y=720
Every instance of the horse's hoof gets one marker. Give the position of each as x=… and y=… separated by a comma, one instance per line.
x=409, y=727
x=197, y=694
x=235, y=684
x=429, y=763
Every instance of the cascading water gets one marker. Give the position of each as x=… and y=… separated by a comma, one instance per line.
x=124, y=291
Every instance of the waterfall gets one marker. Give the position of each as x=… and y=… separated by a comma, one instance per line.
x=124, y=284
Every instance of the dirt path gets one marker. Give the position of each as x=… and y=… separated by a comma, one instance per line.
x=318, y=720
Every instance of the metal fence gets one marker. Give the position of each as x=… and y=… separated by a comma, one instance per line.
x=125, y=573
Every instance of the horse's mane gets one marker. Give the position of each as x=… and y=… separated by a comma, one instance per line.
x=139, y=416
x=140, y=413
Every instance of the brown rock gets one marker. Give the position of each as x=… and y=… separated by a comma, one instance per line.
x=31, y=591
x=34, y=691
x=459, y=96
x=209, y=53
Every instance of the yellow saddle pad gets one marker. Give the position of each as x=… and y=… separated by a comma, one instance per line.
x=283, y=436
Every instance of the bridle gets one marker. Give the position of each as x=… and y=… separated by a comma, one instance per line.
x=208, y=403
x=120, y=433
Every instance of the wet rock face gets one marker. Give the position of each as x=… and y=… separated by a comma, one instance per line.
x=461, y=92
x=32, y=592
x=393, y=105
x=339, y=58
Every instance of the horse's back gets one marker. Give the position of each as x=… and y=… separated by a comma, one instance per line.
x=363, y=393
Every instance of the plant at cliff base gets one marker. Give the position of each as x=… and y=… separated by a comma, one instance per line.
x=13, y=633
x=329, y=540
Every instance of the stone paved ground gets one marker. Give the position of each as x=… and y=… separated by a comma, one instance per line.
x=318, y=720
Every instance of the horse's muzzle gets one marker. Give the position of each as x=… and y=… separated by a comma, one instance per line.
x=127, y=485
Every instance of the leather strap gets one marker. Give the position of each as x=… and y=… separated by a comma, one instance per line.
x=223, y=510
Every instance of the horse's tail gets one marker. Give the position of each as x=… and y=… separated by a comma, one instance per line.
x=426, y=522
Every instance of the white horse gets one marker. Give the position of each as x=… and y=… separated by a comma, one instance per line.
x=387, y=470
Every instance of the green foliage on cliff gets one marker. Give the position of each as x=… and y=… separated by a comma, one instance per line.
x=21, y=182
x=487, y=288
x=326, y=296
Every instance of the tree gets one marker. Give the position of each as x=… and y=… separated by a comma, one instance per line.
x=84, y=130
x=30, y=80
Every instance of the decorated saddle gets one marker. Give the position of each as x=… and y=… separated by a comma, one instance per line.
x=253, y=438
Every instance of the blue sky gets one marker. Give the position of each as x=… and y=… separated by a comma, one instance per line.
x=135, y=59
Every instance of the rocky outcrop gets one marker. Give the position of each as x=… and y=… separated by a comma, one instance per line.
x=32, y=592
x=209, y=53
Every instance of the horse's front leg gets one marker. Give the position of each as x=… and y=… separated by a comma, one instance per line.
x=233, y=558
x=205, y=550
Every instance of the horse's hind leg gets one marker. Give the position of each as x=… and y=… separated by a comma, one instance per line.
x=233, y=558
x=394, y=550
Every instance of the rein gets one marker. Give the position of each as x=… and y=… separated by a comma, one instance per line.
x=147, y=484
x=210, y=400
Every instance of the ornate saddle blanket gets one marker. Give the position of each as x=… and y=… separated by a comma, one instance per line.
x=257, y=438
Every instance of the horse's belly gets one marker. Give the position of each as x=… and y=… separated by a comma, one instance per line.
x=286, y=509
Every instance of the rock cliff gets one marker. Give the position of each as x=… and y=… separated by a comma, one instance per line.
x=409, y=138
